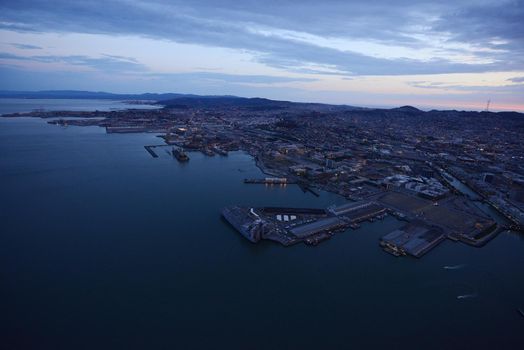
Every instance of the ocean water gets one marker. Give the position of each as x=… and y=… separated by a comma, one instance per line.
x=20, y=105
x=103, y=246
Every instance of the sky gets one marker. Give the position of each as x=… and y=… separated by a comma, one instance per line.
x=430, y=54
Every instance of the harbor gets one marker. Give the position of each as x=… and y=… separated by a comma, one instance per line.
x=427, y=225
x=415, y=239
x=187, y=247
x=293, y=225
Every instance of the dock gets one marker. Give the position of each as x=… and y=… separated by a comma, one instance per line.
x=305, y=188
x=293, y=225
x=358, y=212
x=415, y=239
x=151, y=152
x=270, y=181
x=312, y=191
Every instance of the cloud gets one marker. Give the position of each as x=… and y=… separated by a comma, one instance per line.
x=497, y=24
x=232, y=78
x=260, y=28
x=501, y=89
x=15, y=78
x=121, y=58
x=10, y=56
x=136, y=70
x=430, y=85
x=495, y=27
x=517, y=80
x=18, y=27
x=106, y=63
x=25, y=46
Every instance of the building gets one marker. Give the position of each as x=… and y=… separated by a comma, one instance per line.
x=322, y=225
x=358, y=211
x=413, y=239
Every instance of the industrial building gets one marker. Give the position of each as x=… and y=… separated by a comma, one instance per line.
x=322, y=225
x=359, y=211
x=413, y=239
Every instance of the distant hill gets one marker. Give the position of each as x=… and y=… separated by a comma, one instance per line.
x=407, y=109
x=225, y=101
x=170, y=100
x=186, y=101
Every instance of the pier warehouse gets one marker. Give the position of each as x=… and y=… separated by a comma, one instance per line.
x=412, y=239
x=322, y=225
x=359, y=211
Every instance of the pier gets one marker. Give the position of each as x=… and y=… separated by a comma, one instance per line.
x=312, y=191
x=414, y=239
x=151, y=151
x=292, y=225
x=294, y=211
x=270, y=181
x=305, y=188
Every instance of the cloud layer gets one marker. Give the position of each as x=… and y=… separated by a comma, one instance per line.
x=460, y=36
x=461, y=50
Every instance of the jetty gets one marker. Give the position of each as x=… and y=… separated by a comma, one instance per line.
x=270, y=181
x=151, y=151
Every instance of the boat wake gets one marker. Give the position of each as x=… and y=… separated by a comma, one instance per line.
x=467, y=296
x=454, y=267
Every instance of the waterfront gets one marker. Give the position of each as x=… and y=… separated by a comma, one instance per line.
x=103, y=244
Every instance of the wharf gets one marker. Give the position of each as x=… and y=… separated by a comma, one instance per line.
x=312, y=191
x=315, y=239
x=359, y=211
x=305, y=188
x=151, y=152
x=270, y=181
x=415, y=239
x=292, y=225
x=481, y=240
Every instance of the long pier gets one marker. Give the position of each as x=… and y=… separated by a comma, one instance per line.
x=270, y=181
x=310, y=190
x=151, y=152
x=305, y=188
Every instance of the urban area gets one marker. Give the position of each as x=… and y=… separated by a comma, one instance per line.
x=453, y=175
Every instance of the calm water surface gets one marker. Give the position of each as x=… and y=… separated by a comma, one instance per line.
x=103, y=246
x=20, y=105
